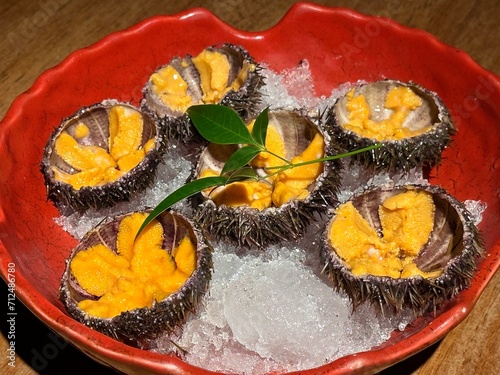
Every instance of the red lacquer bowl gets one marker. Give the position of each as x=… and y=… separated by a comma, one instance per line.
x=345, y=48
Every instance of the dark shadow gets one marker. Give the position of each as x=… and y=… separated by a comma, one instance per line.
x=412, y=364
x=46, y=352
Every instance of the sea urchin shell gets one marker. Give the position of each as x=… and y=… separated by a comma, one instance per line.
x=92, y=276
x=98, y=157
x=447, y=259
x=241, y=222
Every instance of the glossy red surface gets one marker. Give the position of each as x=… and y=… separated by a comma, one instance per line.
x=347, y=47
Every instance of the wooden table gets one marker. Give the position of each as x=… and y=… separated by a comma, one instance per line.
x=36, y=35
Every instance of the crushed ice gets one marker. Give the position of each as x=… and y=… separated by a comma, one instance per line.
x=476, y=209
x=273, y=313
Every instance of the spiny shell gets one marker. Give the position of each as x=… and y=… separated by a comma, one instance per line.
x=246, y=226
x=95, y=117
x=245, y=101
x=140, y=326
x=453, y=227
x=395, y=155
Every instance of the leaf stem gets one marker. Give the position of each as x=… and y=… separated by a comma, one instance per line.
x=288, y=162
x=327, y=158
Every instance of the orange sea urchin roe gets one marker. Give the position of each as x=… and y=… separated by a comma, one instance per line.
x=407, y=220
x=94, y=164
x=214, y=68
x=81, y=130
x=125, y=131
x=140, y=273
x=82, y=157
x=245, y=193
x=293, y=183
x=171, y=88
x=358, y=244
x=402, y=100
x=275, y=144
x=214, y=72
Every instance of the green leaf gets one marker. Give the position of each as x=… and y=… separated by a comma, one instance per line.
x=259, y=130
x=239, y=159
x=219, y=124
x=181, y=193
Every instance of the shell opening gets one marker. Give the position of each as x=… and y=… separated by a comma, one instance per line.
x=203, y=79
x=131, y=274
x=400, y=234
x=101, y=145
x=387, y=111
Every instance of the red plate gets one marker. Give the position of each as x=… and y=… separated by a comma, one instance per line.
x=346, y=47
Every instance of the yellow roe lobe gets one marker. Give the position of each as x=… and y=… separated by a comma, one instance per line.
x=96, y=166
x=407, y=221
x=81, y=130
x=131, y=160
x=275, y=144
x=248, y=193
x=358, y=244
x=171, y=88
x=214, y=70
x=294, y=183
x=81, y=157
x=125, y=131
x=140, y=273
x=401, y=100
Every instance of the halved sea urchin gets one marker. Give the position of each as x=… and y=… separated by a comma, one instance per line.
x=136, y=289
x=410, y=246
x=101, y=155
x=277, y=207
x=411, y=122
x=223, y=74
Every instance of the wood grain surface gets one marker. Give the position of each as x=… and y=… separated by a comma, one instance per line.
x=36, y=35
